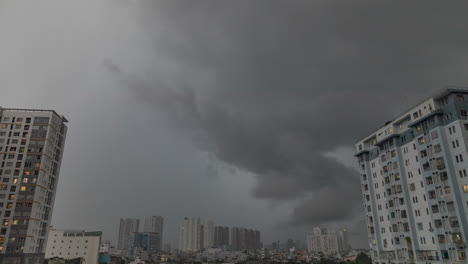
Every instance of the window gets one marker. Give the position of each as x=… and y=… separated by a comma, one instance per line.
x=464, y=114
x=443, y=176
x=440, y=164
x=421, y=140
x=465, y=188
x=450, y=206
x=423, y=153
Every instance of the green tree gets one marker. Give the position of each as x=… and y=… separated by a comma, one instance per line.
x=363, y=258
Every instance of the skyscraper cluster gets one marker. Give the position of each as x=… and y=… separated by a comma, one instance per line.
x=132, y=239
x=196, y=234
x=328, y=242
x=415, y=182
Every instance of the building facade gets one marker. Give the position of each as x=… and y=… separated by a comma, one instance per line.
x=208, y=234
x=154, y=224
x=330, y=243
x=31, y=149
x=127, y=227
x=191, y=235
x=145, y=244
x=104, y=247
x=74, y=244
x=245, y=239
x=221, y=236
x=413, y=173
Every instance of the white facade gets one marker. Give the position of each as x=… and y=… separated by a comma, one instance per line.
x=74, y=244
x=31, y=149
x=190, y=235
x=328, y=243
x=208, y=234
x=415, y=183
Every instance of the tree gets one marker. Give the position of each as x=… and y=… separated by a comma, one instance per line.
x=363, y=258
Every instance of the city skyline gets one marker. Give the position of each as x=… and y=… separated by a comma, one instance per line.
x=245, y=112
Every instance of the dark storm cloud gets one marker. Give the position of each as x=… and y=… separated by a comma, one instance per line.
x=287, y=81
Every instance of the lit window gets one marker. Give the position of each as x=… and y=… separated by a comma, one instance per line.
x=23, y=188
x=465, y=188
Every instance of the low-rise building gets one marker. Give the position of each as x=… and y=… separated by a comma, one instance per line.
x=66, y=244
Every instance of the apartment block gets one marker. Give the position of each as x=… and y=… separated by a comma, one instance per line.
x=414, y=176
x=31, y=149
x=221, y=236
x=128, y=226
x=330, y=243
x=245, y=239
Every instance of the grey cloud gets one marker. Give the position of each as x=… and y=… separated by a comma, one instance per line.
x=293, y=81
x=267, y=87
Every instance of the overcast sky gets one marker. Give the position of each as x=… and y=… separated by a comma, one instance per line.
x=243, y=112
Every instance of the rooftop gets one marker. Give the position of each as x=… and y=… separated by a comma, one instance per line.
x=34, y=110
x=436, y=96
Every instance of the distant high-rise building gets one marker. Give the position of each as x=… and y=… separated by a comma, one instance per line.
x=191, y=235
x=208, y=234
x=31, y=148
x=414, y=179
x=244, y=239
x=221, y=236
x=147, y=242
x=154, y=224
x=290, y=243
x=329, y=243
x=127, y=228
x=73, y=244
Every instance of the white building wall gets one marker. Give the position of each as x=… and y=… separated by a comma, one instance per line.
x=73, y=244
x=208, y=234
x=190, y=235
x=415, y=184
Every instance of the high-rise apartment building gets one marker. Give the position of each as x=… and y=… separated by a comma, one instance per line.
x=31, y=148
x=154, y=224
x=244, y=239
x=208, y=234
x=191, y=235
x=414, y=175
x=221, y=236
x=331, y=243
x=148, y=243
x=127, y=228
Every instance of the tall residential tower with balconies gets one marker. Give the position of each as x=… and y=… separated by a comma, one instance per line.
x=414, y=175
x=31, y=148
